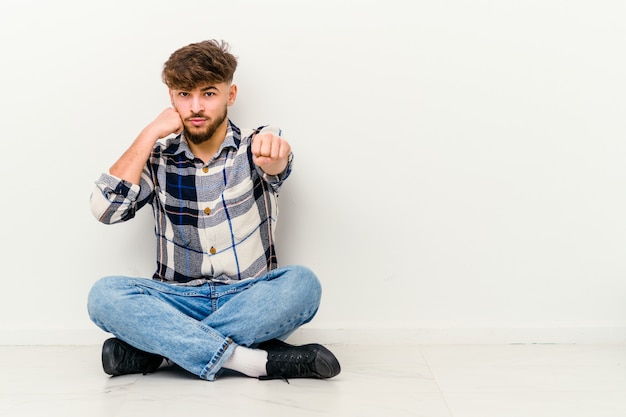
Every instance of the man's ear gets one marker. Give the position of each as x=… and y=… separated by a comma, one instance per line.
x=171, y=93
x=232, y=94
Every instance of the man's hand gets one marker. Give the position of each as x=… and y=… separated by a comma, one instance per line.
x=167, y=123
x=270, y=153
x=130, y=165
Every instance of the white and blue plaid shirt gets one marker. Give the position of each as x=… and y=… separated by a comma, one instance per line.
x=215, y=221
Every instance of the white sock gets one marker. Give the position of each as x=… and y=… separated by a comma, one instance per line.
x=166, y=363
x=250, y=362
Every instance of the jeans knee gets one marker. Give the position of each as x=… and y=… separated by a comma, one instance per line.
x=306, y=285
x=101, y=297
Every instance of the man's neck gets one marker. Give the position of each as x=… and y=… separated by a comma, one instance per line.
x=207, y=149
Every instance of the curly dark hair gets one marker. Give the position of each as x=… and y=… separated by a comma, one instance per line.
x=198, y=64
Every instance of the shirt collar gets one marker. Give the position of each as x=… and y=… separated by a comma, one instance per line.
x=232, y=140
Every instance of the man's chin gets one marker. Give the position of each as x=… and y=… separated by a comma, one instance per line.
x=198, y=136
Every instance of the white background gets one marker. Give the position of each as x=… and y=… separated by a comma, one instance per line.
x=459, y=171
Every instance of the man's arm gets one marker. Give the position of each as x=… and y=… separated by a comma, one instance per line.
x=130, y=165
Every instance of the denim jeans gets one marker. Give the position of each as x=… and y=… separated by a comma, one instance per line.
x=199, y=327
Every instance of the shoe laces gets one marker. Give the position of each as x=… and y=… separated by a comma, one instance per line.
x=291, y=364
x=139, y=361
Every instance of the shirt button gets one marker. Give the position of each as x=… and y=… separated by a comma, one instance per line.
x=207, y=211
x=205, y=169
x=212, y=250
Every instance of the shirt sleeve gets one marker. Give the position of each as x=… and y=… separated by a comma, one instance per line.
x=114, y=200
x=275, y=181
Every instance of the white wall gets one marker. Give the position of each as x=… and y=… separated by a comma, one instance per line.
x=459, y=165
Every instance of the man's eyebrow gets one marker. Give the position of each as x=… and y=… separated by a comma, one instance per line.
x=210, y=87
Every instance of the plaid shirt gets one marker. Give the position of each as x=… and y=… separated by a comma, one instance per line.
x=214, y=222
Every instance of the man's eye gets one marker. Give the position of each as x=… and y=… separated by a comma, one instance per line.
x=209, y=94
x=183, y=94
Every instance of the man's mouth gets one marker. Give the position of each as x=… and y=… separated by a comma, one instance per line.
x=197, y=121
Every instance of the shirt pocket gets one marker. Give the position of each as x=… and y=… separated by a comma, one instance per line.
x=181, y=223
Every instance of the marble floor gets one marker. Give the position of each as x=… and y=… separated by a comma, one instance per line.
x=389, y=381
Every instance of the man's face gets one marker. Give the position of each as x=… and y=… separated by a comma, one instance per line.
x=203, y=109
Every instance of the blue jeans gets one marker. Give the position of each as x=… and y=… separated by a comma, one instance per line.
x=199, y=327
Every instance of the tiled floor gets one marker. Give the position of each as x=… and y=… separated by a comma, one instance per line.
x=388, y=381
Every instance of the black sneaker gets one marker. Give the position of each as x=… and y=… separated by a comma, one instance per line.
x=309, y=361
x=120, y=358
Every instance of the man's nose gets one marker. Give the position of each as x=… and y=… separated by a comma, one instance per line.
x=196, y=105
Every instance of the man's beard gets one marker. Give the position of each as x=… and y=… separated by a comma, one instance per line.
x=202, y=136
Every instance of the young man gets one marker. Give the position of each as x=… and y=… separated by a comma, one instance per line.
x=218, y=299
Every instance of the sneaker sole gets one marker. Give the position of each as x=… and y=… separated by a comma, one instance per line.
x=108, y=365
x=326, y=364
